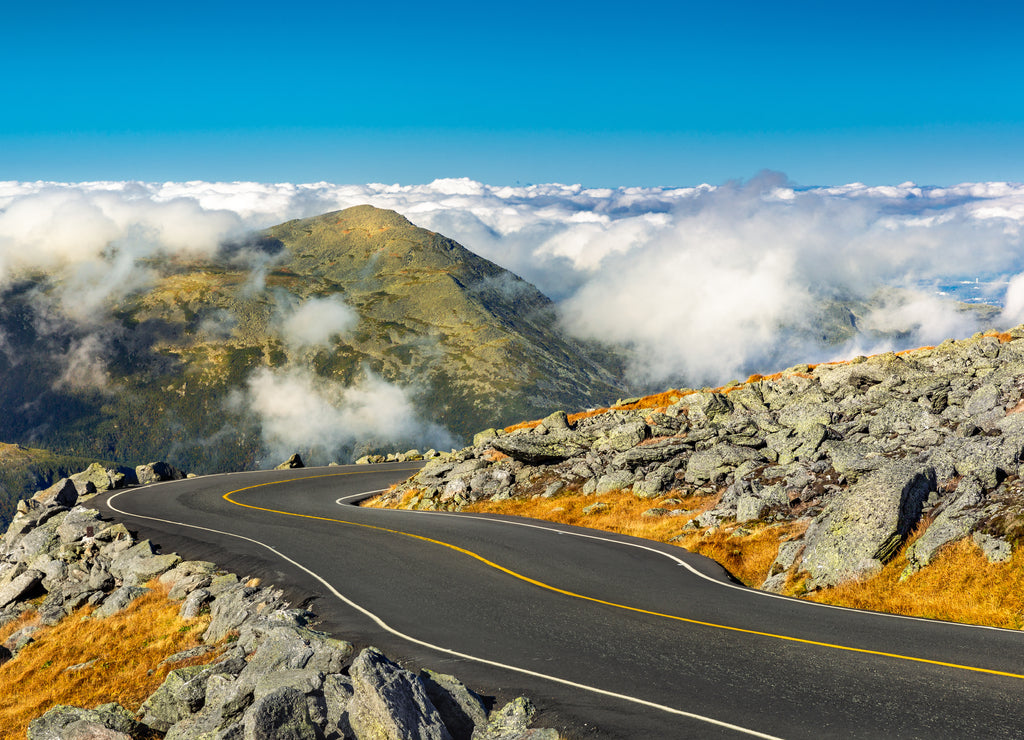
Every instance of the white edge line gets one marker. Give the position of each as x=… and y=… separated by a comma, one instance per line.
x=383, y=625
x=745, y=589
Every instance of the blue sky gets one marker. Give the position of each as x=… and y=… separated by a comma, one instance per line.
x=602, y=94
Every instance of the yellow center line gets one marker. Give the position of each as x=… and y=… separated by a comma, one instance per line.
x=555, y=589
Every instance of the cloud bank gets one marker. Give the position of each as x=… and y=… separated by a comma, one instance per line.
x=298, y=410
x=698, y=284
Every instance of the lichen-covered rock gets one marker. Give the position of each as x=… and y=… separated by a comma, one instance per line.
x=538, y=449
x=954, y=522
x=156, y=472
x=120, y=599
x=861, y=529
x=182, y=693
x=461, y=710
x=996, y=549
x=105, y=722
x=512, y=722
x=390, y=703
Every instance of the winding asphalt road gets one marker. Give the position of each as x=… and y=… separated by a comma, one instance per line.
x=610, y=636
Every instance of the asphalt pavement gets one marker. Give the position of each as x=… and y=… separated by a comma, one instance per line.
x=611, y=636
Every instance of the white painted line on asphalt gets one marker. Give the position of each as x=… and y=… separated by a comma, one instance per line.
x=383, y=625
x=745, y=589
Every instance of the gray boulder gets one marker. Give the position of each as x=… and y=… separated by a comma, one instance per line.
x=105, y=722
x=615, y=480
x=291, y=463
x=390, y=703
x=62, y=493
x=282, y=714
x=461, y=710
x=156, y=472
x=953, y=523
x=512, y=722
x=120, y=599
x=996, y=549
x=139, y=563
x=540, y=449
x=22, y=586
x=181, y=694
x=862, y=528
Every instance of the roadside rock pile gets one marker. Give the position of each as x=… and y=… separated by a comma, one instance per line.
x=277, y=678
x=408, y=456
x=861, y=452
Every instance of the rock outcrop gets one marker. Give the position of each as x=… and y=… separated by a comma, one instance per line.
x=862, y=452
x=277, y=678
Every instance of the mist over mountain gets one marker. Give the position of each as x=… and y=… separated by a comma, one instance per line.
x=695, y=284
x=334, y=335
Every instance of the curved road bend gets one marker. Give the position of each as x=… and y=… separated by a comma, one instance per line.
x=613, y=637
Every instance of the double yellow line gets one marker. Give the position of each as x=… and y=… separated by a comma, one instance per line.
x=540, y=584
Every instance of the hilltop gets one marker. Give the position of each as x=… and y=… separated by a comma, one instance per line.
x=170, y=369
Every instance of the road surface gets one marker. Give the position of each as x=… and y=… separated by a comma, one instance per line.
x=611, y=636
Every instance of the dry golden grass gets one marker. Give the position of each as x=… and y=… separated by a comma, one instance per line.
x=959, y=585
x=127, y=650
x=747, y=557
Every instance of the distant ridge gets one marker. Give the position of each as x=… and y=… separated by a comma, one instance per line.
x=165, y=377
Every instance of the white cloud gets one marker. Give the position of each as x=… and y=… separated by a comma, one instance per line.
x=323, y=420
x=704, y=282
x=317, y=321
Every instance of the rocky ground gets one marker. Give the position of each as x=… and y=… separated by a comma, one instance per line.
x=861, y=452
x=275, y=676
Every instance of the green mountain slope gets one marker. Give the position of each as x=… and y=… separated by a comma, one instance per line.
x=166, y=372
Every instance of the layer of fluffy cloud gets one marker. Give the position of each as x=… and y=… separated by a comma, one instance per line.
x=317, y=321
x=699, y=284
x=301, y=412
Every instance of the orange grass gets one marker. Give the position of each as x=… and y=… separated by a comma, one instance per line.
x=747, y=557
x=127, y=649
x=959, y=585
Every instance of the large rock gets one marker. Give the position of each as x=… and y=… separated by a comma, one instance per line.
x=461, y=709
x=139, y=563
x=62, y=493
x=862, y=528
x=512, y=722
x=291, y=463
x=20, y=587
x=390, y=703
x=539, y=449
x=105, y=722
x=282, y=714
x=156, y=472
x=181, y=694
x=954, y=522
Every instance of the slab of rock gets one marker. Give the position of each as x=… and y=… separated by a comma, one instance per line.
x=390, y=702
x=291, y=463
x=105, y=722
x=156, y=472
x=119, y=600
x=539, y=449
x=62, y=493
x=21, y=586
x=996, y=549
x=953, y=523
x=461, y=709
x=862, y=528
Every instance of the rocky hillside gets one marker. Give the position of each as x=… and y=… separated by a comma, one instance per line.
x=24, y=471
x=860, y=454
x=165, y=370
x=268, y=674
